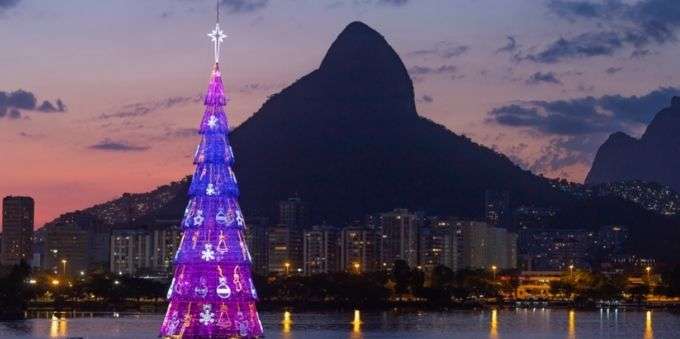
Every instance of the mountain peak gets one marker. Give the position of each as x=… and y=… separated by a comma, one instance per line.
x=620, y=136
x=653, y=157
x=361, y=64
x=356, y=41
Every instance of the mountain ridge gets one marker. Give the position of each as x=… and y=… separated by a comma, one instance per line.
x=655, y=156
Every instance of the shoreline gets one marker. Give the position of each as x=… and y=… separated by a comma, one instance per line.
x=159, y=307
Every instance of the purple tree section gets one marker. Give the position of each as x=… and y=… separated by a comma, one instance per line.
x=212, y=293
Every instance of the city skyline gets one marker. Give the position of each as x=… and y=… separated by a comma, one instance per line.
x=135, y=103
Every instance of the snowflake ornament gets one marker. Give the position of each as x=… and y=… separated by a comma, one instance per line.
x=210, y=190
x=208, y=254
x=212, y=122
x=198, y=219
x=207, y=316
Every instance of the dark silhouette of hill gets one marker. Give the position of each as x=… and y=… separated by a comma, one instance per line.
x=347, y=139
x=654, y=157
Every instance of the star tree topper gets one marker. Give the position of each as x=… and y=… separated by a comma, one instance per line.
x=217, y=37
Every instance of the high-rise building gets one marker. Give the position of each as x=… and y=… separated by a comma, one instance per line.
x=359, y=249
x=144, y=250
x=483, y=246
x=611, y=241
x=67, y=246
x=293, y=213
x=497, y=208
x=399, y=237
x=474, y=244
x=320, y=250
x=17, y=230
x=438, y=244
x=556, y=249
x=130, y=251
x=165, y=241
x=284, y=250
x=76, y=243
x=256, y=238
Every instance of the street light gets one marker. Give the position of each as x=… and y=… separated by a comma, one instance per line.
x=649, y=272
x=356, y=267
x=287, y=265
x=493, y=270
x=571, y=272
x=64, y=261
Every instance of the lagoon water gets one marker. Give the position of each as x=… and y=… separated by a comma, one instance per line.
x=521, y=323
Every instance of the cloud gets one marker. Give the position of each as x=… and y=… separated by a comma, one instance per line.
x=426, y=99
x=243, y=6
x=171, y=133
x=586, y=115
x=443, y=49
x=566, y=151
x=540, y=77
x=426, y=70
x=12, y=103
x=510, y=47
x=393, y=2
x=641, y=53
x=613, y=70
x=117, y=146
x=260, y=87
x=577, y=127
x=144, y=108
x=621, y=24
x=7, y=4
x=582, y=46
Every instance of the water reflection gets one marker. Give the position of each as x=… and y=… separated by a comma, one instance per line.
x=286, y=322
x=356, y=325
x=649, y=331
x=58, y=327
x=520, y=323
x=493, y=324
x=571, y=324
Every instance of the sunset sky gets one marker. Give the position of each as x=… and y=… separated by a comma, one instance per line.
x=545, y=82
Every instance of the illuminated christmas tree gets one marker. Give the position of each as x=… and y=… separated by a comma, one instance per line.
x=212, y=293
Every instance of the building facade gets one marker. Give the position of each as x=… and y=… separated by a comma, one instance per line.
x=293, y=213
x=399, y=237
x=556, y=249
x=320, y=250
x=482, y=246
x=17, y=230
x=359, y=248
x=144, y=251
x=497, y=208
x=284, y=250
x=256, y=238
x=438, y=244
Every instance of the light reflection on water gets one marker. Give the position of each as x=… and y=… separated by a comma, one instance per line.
x=494, y=324
x=649, y=331
x=571, y=324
